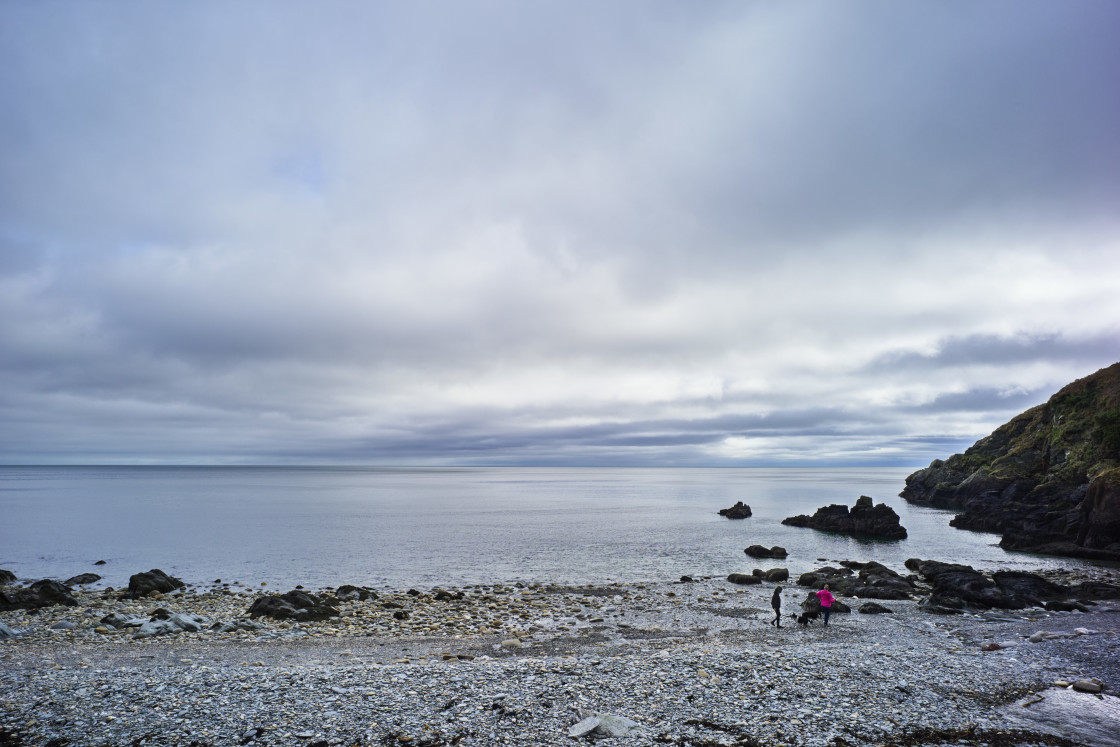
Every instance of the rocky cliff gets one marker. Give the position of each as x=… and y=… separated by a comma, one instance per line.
x=1048, y=480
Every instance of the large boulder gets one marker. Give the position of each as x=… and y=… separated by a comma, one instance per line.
x=7, y=577
x=776, y=575
x=143, y=584
x=295, y=605
x=957, y=587
x=739, y=511
x=44, y=593
x=1048, y=480
x=758, y=551
x=865, y=519
x=864, y=580
x=350, y=593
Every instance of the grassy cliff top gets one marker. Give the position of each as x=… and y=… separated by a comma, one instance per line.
x=1070, y=439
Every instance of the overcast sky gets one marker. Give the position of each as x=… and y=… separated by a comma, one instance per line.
x=625, y=233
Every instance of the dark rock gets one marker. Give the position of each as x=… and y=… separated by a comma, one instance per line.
x=143, y=584
x=865, y=519
x=83, y=579
x=7, y=577
x=687, y=580
x=873, y=608
x=744, y=579
x=295, y=605
x=100, y=562
x=45, y=593
x=1048, y=480
x=776, y=574
x=442, y=595
x=944, y=605
x=349, y=593
x=1031, y=588
x=739, y=511
x=957, y=586
x=874, y=581
x=758, y=551
x=1095, y=590
x=400, y=615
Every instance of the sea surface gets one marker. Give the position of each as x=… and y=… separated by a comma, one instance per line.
x=407, y=527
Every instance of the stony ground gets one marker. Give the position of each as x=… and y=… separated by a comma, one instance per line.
x=684, y=663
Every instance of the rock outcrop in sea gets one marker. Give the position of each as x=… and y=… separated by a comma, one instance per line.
x=865, y=519
x=1048, y=480
x=739, y=511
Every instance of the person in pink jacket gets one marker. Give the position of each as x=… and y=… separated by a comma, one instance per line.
x=826, y=602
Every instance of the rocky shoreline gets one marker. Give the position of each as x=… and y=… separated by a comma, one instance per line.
x=685, y=663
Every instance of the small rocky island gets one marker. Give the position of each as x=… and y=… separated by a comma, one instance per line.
x=1048, y=480
x=739, y=511
x=866, y=519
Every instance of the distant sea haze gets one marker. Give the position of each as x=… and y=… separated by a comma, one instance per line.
x=404, y=527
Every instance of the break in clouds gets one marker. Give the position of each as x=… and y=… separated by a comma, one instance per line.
x=551, y=233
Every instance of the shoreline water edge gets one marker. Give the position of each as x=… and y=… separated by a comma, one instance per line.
x=685, y=662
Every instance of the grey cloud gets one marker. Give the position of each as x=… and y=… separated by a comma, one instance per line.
x=975, y=350
x=639, y=232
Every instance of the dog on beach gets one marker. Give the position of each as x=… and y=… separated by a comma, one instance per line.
x=806, y=618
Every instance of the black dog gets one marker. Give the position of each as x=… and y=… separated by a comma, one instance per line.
x=806, y=618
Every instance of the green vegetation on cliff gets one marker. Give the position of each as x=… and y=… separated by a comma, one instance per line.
x=1049, y=479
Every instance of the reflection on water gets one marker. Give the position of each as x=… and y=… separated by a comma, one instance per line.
x=427, y=527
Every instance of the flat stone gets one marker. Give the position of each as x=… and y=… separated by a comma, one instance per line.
x=584, y=727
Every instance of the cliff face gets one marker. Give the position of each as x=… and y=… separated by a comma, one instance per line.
x=1048, y=480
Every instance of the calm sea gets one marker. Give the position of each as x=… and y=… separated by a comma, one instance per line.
x=430, y=527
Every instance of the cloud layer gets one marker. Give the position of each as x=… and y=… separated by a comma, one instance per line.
x=570, y=233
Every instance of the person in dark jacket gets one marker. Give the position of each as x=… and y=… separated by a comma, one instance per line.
x=776, y=603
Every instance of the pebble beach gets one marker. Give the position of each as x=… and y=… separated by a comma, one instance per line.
x=682, y=662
